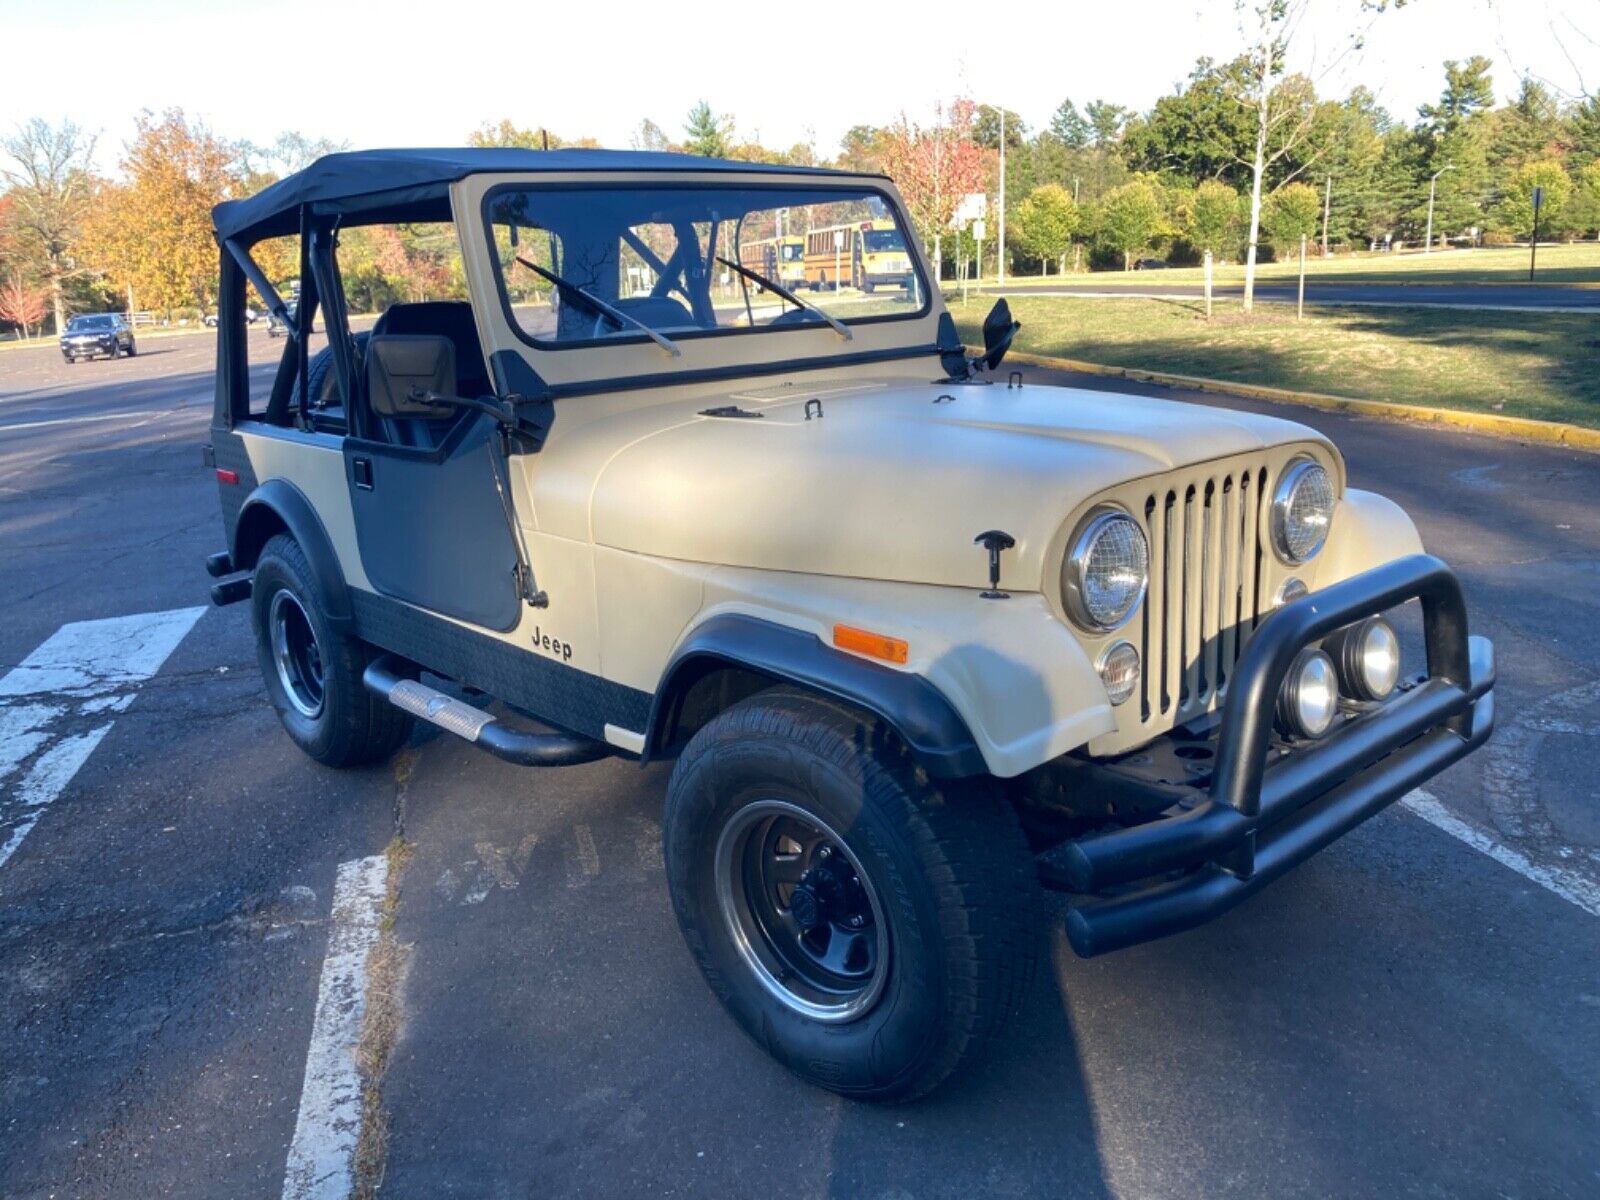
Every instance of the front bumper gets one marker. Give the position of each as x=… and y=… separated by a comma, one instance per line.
x=1255, y=819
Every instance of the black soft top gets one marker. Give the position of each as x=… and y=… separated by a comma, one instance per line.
x=412, y=185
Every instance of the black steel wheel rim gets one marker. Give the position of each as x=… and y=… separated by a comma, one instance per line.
x=802, y=912
x=296, y=654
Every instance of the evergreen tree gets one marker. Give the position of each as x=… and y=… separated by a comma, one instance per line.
x=707, y=133
x=1069, y=127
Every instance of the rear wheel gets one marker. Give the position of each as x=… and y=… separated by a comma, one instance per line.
x=867, y=929
x=312, y=672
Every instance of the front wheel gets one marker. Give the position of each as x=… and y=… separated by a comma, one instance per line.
x=312, y=672
x=868, y=930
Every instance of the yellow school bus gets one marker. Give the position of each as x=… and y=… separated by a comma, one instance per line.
x=863, y=254
x=780, y=259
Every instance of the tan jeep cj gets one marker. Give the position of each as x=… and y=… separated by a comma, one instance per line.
x=697, y=469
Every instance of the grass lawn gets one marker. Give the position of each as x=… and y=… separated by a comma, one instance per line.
x=1543, y=365
x=1577, y=263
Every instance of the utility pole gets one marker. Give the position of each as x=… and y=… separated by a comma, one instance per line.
x=1533, y=246
x=1427, y=245
x=1001, y=268
x=1327, y=205
x=1300, y=301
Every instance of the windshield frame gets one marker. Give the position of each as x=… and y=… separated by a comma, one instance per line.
x=545, y=346
x=92, y=323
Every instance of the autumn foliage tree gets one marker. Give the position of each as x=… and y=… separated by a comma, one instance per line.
x=935, y=167
x=151, y=234
x=21, y=304
x=46, y=172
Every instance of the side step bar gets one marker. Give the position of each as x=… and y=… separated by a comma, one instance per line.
x=518, y=746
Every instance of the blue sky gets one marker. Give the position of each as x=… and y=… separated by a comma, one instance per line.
x=427, y=74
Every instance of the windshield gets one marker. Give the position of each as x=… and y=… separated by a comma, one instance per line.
x=879, y=240
x=83, y=323
x=668, y=257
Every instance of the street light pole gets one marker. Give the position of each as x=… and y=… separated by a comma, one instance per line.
x=1427, y=246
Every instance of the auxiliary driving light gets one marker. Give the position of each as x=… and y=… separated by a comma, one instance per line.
x=1119, y=671
x=1367, y=655
x=1310, y=697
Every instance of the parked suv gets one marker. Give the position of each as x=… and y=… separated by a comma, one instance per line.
x=96, y=335
x=919, y=635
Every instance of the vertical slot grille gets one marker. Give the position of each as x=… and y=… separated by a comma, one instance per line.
x=1204, y=601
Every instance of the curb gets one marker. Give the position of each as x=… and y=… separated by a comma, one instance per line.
x=1545, y=433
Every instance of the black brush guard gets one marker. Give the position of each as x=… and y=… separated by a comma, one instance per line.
x=1256, y=821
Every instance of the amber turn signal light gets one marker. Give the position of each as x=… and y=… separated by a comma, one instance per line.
x=873, y=645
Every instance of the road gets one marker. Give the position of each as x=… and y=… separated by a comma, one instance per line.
x=1403, y=1015
x=1528, y=297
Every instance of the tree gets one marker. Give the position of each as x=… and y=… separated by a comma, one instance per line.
x=1046, y=220
x=1106, y=122
x=1201, y=131
x=21, y=304
x=861, y=149
x=1526, y=130
x=934, y=168
x=1283, y=106
x=1291, y=213
x=1130, y=219
x=1069, y=127
x=1212, y=217
x=152, y=233
x=986, y=128
x=709, y=135
x=1584, y=215
x=1516, y=209
x=1454, y=137
x=650, y=136
x=1583, y=130
x=49, y=180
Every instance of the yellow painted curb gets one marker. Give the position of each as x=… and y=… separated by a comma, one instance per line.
x=1545, y=433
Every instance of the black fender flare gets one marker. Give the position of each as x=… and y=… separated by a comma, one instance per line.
x=934, y=732
x=280, y=499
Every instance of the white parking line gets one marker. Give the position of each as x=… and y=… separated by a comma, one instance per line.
x=322, y=1154
x=84, y=669
x=1569, y=885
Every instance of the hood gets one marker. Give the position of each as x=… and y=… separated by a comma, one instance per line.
x=893, y=481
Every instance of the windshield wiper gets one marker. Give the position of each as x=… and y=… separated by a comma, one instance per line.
x=592, y=302
x=838, y=326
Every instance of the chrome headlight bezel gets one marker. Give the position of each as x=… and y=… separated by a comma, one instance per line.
x=1299, y=471
x=1076, y=565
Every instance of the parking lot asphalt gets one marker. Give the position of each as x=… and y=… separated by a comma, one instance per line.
x=1405, y=1014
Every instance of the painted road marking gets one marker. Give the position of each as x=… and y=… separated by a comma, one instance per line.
x=84, y=669
x=1569, y=885
x=322, y=1155
x=122, y=416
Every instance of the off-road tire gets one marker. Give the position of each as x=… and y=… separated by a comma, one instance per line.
x=353, y=727
x=949, y=864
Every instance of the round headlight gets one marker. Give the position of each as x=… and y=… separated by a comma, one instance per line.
x=1310, y=697
x=1119, y=671
x=1106, y=571
x=1368, y=657
x=1302, y=510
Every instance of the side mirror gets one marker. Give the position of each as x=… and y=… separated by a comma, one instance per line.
x=998, y=331
x=400, y=365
